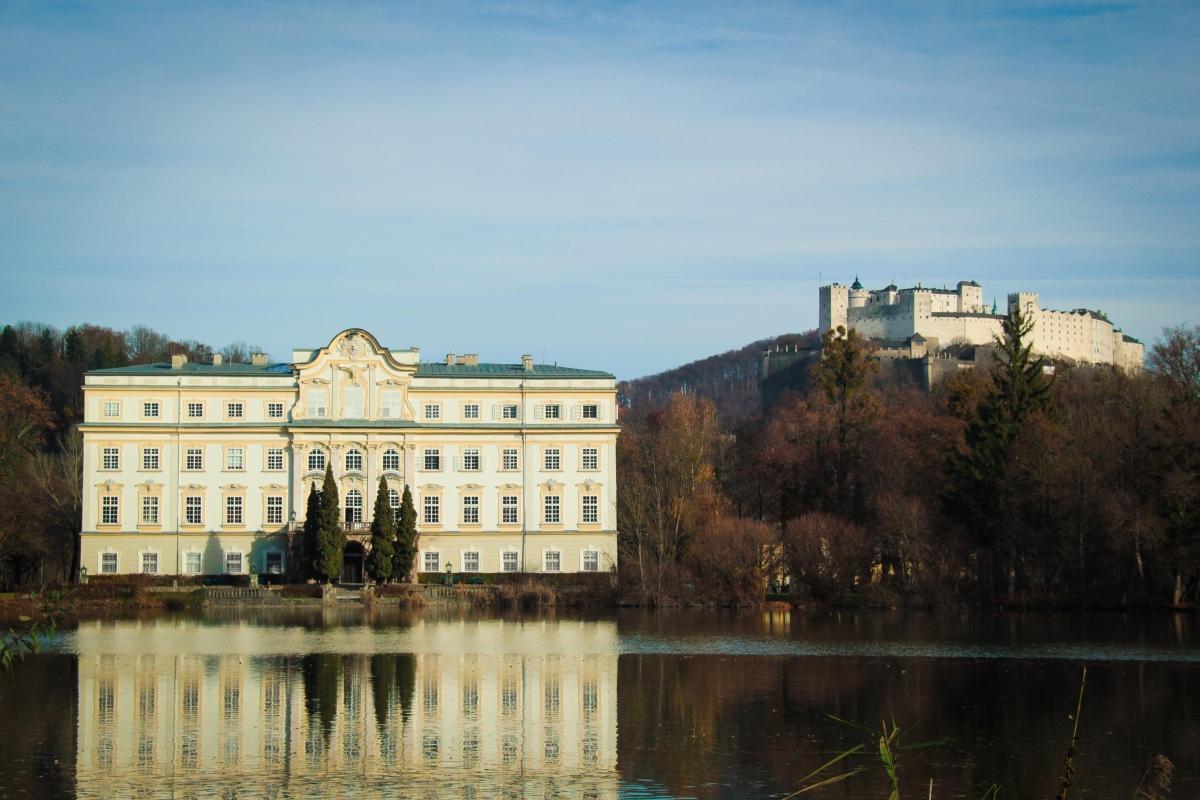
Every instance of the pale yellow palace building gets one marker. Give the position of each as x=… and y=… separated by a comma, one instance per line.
x=205, y=468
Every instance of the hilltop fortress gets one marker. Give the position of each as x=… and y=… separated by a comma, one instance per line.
x=921, y=321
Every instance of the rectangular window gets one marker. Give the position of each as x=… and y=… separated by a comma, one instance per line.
x=433, y=509
x=433, y=411
x=112, y=408
x=111, y=458
x=110, y=509
x=192, y=563
x=591, y=561
x=234, y=458
x=194, y=458
x=552, y=561
x=150, y=458
x=552, y=411
x=508, y=509
x=274, y=510
x=470, y=510
x=316, y=403
x=471, y=411
x=108, y=563
x=470, y=561
x=389, y=404
x=194, y=509
x=150, y=563
x=509, y=411
x=149, y=510
x=591, y=411
x=591, y=509
x=553, y=509
x=432, y=560
x=275, y=410
x=233, y=563
x=274, y=458
x=591, y=458
x=150, y=409
x=354, y=402
x=509, y=561
x=433, y=459
x=233, y=510
x=471, y=459
x=234, y=410
x=195, y=410
x=553, y=458
x=274, y=564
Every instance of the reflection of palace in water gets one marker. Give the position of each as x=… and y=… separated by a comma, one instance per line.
x=425, y=724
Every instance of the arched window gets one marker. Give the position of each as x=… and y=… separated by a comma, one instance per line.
x=354, y=405
x=316, y=460
x=394, y=503
x=391, y=460
x=354, y=506
x=353, y=460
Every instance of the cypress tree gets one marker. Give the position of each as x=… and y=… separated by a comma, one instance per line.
x=330, y=536
x=406, y=538
x=383, y=534
x=1019, y=388
x=310, y=539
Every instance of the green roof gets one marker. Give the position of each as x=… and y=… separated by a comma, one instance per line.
x=425, y=370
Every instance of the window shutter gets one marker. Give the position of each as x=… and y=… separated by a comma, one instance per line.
x=539, y=411
x=496, y=410
x=576, y=412
x=458, y=463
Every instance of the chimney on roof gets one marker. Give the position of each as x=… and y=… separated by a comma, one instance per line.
x=471, y=359
x=527, y=362
x=258, y=359
x=216, y=359
x=177, y=361
x=449, y=359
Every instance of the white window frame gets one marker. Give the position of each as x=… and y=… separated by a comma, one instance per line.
x=390, y=404
x=189, y=507
x=315, y=455
x=275, y=509
x=195, y=409
x=552, y=459
x=590, y=411
x=275, y=409
x=113, y=453
x=116, y=562
x=275, y=458
x=235, y=510
x=471, y=411
x=355, y=408
x=506, y=507
x=436, y=558
x=431, y=412
x=110, y=408
x=552, y=509
x=241, y=562
x=151, y=409
x=595, y=509
x=391, y=455
x=235, y=459
x=470, y=509
x=150, y=509
x=546, y=560
x=552, y=411
x=510, y=459
x=357, y=456
x=472, y=461
x=431, y=510
x=235, y=409
x=510, y=557
x=142, y=562
x=465, y=561
x=110, y=512
x=267, y=556
x=431, y=455
x=316, y=403
x=151, y=459
x=594, y=555
x=193, y=459
x=187, y=562
x=354, y=506
x=510, y=411
x=591, y=454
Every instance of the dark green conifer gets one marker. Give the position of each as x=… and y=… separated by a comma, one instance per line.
x=383, y=535
x=331, y=539
x=310, y=539
x=406, y=538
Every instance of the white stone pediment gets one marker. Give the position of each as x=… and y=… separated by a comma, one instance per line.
x=354, y=352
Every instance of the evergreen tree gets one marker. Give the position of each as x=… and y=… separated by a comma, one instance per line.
x=331, y=539
x=406, y=538
x=1019, y=388
x=844, y=375
x=383, y=535
x=76, y=351
x=310, y=540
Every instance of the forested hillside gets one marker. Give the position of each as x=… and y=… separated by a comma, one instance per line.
x=731, y=379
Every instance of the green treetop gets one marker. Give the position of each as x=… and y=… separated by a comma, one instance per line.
x=310, y=539
x=331, y=539
x=383, y=535
x=406, y=538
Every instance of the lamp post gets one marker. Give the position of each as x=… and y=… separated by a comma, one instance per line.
x=449, y=575
x=83, y=575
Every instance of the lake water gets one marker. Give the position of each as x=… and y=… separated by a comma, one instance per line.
x=300, y=703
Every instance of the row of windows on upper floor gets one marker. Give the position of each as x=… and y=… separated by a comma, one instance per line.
x=317, y=407
x=470, y=459
x=352, y=507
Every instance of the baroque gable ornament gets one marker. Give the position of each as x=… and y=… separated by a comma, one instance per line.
x=353, y=347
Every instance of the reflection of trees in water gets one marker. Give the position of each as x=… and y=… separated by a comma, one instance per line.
x=322, y=672
x=393, y=683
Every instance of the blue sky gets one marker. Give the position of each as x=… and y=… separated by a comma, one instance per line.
x=621, y=185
